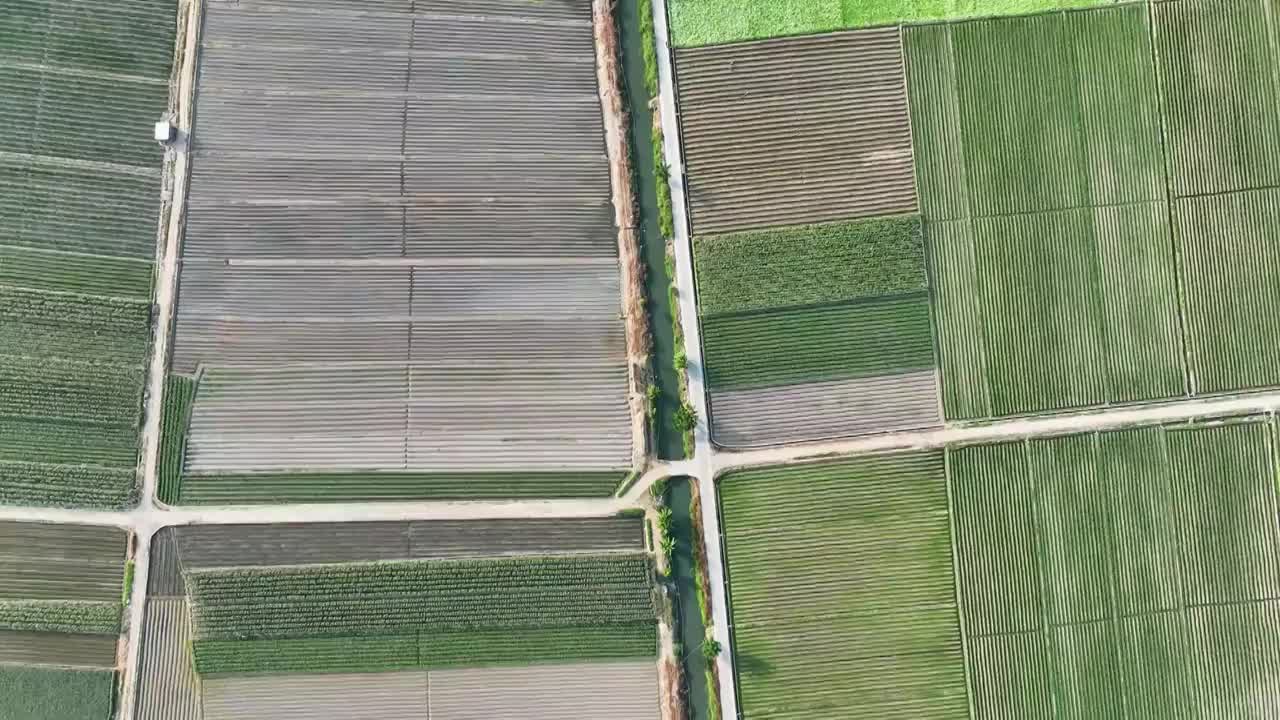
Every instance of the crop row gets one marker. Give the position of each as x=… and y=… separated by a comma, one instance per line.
x=68, y=443
x=113, y=315
x=84, y=342
x=66, y=616
x=51, y=271
x=179, y=394
x=35, y=483
x=884, y=336
x=59, y=208
x=426, y=649
x=411, y=576
x=843, y=595
x=388, y=598
x=43, y=114
x=39, y=693
x=106, y=394
x=130, y=37
x=809, y=265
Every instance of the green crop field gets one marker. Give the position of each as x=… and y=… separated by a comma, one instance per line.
x=61, y=616
x=881, y=336
x=1231, y=297
x=29, y=693
x=842, y=594
x=815, y=303
x=1217, y=62
x=377, y=616
x=1114, y=559
x=45, y=270
x=79, y=207
x=710, y=22
x=179, y=394
x=1127, y=574
x=814, y=265
x=1069, y=267
x=1101, y=327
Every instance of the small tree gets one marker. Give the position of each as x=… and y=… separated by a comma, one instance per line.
x=668, y=547
x=664, y=520
x=685, y=418
x=710, y=649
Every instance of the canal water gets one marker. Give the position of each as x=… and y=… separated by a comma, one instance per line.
x=653, y=246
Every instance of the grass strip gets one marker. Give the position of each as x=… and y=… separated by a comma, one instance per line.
x=179, y=395
x=65, y=616
x=810, y=265
x=34, y=693
x=71, y=486
x=881, y=337
x=197, y=488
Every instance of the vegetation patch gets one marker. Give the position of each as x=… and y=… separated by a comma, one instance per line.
x=35, y=483
x=1054, y=310
x=62, y=616
x=52, y=271
x=887, y=335
x=843, y=596
x=1231, y=297
x=1006, y=121
x=425, y=613
x=1073, y=574
x=179, y=396
x=811, y=265
x=1217, y=63
x=30, y=693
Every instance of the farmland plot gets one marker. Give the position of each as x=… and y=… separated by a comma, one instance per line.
x=1042, y=189
x=1079, y=258
x=619, y=690
x=79, y=195
x=422, y=299
x=810, y=260
x=1133, y=569
x=817, y=331
x=60, y=589
x=843, y=597
x=576, y=593
x=753, y=162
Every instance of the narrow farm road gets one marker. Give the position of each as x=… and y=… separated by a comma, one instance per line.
x=703, y=465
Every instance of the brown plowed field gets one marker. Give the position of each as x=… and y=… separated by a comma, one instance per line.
x=796, y=131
